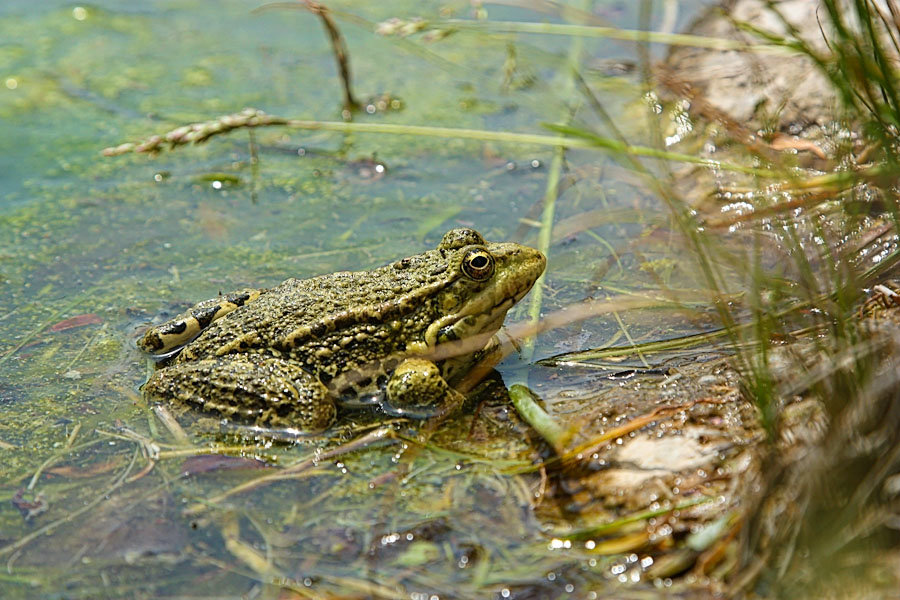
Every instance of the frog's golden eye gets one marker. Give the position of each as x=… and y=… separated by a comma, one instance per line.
x=478, y=264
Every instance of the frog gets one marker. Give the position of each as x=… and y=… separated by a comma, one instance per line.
x=288, y=356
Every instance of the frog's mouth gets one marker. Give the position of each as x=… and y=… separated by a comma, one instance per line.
x=517, y=268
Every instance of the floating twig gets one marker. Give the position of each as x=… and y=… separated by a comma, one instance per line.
x=197, y=133
x=341, y=55
x=163, y=414
x=338, y=44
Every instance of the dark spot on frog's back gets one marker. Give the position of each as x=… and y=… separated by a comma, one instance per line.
x=205, y=316
x=240, y=299
x=176, y=328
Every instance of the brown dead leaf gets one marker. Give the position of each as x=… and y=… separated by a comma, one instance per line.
x=203, y=463
x=77, y=321
x=74, y=472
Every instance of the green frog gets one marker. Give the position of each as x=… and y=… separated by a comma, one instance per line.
x=287, y=356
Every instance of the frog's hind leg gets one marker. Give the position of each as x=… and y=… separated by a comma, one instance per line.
x=188, y=325
x=270, y=392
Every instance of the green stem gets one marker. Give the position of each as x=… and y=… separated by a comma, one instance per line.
x=539, y=420
x=565, y=141
x=543, y=243
x=545, y=234
x=590, y=31
x=252, y=118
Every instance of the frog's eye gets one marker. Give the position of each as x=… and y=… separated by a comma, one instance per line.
x=478, y=264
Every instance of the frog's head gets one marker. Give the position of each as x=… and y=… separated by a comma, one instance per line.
x=485, y=280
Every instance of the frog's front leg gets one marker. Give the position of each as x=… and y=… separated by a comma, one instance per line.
x=188, y=325
x=417, y=383
x=269, y=391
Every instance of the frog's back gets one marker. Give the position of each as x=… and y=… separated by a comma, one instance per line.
x=313, y=320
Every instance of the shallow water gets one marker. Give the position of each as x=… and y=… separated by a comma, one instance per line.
x=94, y=248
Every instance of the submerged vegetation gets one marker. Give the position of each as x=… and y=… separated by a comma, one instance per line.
x=711, y=406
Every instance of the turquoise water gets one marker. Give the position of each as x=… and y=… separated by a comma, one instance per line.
x=93, y=248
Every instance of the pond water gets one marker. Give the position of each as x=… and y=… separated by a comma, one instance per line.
x=101, y=498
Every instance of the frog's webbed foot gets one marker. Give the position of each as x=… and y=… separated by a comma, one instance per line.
x=270, y=392
x=188, y=325
x=416, y=386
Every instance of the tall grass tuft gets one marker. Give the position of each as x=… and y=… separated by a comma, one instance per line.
x=825, y=521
